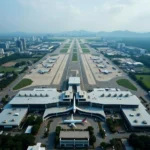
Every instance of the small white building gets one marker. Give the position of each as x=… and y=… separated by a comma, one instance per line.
x=36, y=147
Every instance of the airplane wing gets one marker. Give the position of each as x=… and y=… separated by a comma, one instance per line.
x=73, y=125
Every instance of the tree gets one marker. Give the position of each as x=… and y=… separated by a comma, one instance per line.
x=35, y=129
x=103, y=145
x=92, y=139
x=6, y=96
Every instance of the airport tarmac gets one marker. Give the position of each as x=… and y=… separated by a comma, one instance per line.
x=59, y=74
x=87, y=70
x=46, y=78
x=97, y=72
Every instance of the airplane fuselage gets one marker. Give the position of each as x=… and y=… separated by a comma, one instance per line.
x=72, y=121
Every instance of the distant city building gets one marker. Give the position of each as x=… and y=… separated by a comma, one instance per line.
x=19, y=45
x=23, y=43
x=4, y=45
x=120, y=46
x=38, y=39
x=135, y=50
x=1, y=51
x=14, y=39
x=33, y=38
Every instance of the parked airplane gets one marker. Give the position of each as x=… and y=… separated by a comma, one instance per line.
x=72, y=122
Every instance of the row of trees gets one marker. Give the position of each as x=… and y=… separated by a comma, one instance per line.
x=17, y=142
x=139, y=142
x=102, y=132
x=13, y=57
x=5, y=99
x=92, y=136
x=144, y=59
x=114, y=144
x=111, y=125
x=7, y=80
x=47, y=128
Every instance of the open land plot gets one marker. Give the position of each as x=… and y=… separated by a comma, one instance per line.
x=74, y=50
x=23, y=83
x=127, y=84
x=26, y=59
x=64, y=50
x=100, y=76
x=9, y=69
x=88, y=72
x=66, y=46
x=145, y=79
x=59, y=74
x=74, y=57
x=85, y=50
x=83, y=46
x=9, y=64
x=47, y=78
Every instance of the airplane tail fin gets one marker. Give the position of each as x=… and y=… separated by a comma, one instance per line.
x=84, y=120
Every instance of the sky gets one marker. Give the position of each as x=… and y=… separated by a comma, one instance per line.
x=52, y=16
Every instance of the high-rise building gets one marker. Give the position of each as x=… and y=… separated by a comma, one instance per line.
x=33, y=38
x=19, y=45
x=14, y=39
x=4, y=45
x=23, y=43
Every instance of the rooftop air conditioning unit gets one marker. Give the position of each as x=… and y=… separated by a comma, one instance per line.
x=144, y=122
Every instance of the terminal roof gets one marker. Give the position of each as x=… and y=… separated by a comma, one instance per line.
x=113, y=98
x=37, y=96
x=74, y=134
x=12, y=116
x=74, y=80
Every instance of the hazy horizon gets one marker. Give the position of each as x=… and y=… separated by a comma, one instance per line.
x=51, y=16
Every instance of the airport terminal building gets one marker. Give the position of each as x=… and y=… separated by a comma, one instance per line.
x=95, y=103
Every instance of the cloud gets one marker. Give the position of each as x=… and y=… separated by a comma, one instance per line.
x=94, y=15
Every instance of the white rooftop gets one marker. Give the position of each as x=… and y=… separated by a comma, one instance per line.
x=54, y=110
x=113, y=97
x=28, y=130
x=74, y=80
x=36, y=147
x=37, y=96
x=138, y=116
x=12, y=116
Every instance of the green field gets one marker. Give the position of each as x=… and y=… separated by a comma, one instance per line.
x=66, y=46
x=26, y=59
x=145, y=79
x=74, y=57
x=74, y=50
x=85, y=50
x=23, y=83
x=83, y=46
x=127, y=84
x=9, y=69
x=64, y=50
